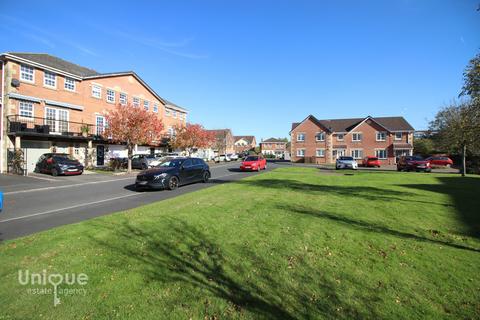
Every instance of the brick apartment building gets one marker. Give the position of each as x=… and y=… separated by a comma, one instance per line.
x=244, y=143
x=273, y=146
x=49, y=104
x=224, y=141
x=322, y=141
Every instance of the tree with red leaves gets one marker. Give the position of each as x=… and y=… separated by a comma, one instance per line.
x=191, y=136
x=133, y=126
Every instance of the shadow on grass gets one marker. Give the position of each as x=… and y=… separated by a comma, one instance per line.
x=368, y=226
x=175, y=252
x=364, y=192
x=465, y=193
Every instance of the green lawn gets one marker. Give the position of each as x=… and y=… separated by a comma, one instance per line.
x=291, y=243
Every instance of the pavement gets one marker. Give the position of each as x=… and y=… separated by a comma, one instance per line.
x=39, y=202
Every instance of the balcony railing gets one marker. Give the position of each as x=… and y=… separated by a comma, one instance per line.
x=18, y=124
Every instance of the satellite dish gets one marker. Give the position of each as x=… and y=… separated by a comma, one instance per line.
x=15, y=83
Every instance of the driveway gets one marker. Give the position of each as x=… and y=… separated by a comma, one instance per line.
x=40, y=202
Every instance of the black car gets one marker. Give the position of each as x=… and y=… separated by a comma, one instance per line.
x=58, y=163
x=173, y=172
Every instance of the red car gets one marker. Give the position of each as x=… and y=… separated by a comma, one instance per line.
x=440, y=161
x=371, y=162
x=253, y=163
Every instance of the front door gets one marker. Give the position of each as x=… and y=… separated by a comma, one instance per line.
x=100, y=155
x=338, y=153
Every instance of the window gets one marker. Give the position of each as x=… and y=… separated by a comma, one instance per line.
x=356, y=136
x=57, y=120
x=381, y=136
x=357, y=153
x=136, y=102
x=26, y=109
x=174, y=113
x=300, y=152
x=100, y=125
x=167, y=112
x=27, y=73
x=49, y=79
x=171, y=132
x=320, y=136
x=340, y=136
x=123, y=98
x=381, y=153
x=320, y=153
x=146, y=104
x=398, y=136
x=301, y=137
x=155, y=107
x=69, y=84
x=96, y=91
x=110, y=96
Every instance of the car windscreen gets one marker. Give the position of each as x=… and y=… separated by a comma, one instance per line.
x=251, y=158
x=346, y=158
x=63, y=157
x=416, y=158
x=372, y=159
x=173, y=163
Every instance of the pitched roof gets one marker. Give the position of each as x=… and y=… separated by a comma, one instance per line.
x=220, y=133
x=83, y=72
x=273, y=140
x=56, y=63
x=249, y=139
x=345, y=125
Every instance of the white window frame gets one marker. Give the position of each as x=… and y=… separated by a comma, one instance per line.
x=97, y=126
x=167, y=112
x=300, y=134
x=358, y=136
x=174, y=113
x=66, y=84
x=303, y=153
x=356, y=153
x=29, y=104
x=136, y=102
x=45, y=79
x=322, y=135
x=155, y=107
x=171, y=131
x=381, y=132
x=401, y=136
x=377, y=154
x=146, y=105
x=338, y=137
x=123, y=98
x=109, y=97
x=96, y=89
x=56, y=124
x=27, y=73
x=322, y=154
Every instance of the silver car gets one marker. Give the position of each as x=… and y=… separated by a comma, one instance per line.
x=346, y=163
x=145, y=161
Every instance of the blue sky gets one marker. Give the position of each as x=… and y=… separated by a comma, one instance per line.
x=258, y=66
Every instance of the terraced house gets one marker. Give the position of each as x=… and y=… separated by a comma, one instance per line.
x=323, y=141
x=52, y=105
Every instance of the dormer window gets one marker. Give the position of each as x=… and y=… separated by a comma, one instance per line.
x=340, y=136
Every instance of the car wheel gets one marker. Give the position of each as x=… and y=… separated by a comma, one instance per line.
x=172, y=183
x=448, y=166
x=54, y=172
x=206, y=176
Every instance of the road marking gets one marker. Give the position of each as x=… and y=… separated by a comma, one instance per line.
x=42, y=178
x=65, y=186
x=69, y=208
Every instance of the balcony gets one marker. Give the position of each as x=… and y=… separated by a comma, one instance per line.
x=46, y=127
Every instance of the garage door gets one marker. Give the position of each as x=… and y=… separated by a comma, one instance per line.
x=33, y=151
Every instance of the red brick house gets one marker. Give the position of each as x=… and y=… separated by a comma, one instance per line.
x=224, y=142
x=322, y=141
x=244, y=143
x=273, y=146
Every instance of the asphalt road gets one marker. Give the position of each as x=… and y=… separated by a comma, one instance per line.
x=41, y=202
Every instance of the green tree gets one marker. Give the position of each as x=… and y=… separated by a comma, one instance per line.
x=424, y=146
x=471, y=80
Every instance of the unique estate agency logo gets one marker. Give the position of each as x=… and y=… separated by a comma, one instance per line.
x=43, y=279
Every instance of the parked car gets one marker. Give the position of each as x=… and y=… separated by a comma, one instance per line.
x=58, y=163
x=346, y=163
x=145, y=161
x=233, y=156
x=174, y=172
x=413, y=163
x=440, y=161
x=221, y=158
x=253, y=163
x=370, y=161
